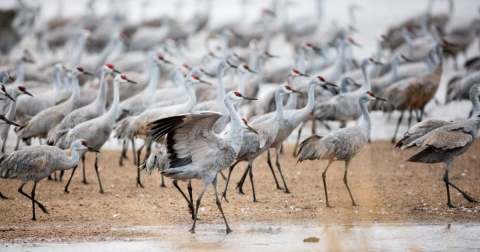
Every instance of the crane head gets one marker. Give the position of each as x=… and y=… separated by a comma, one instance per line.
x=24, y=90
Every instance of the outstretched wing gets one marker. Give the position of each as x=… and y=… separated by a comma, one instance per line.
x=420, y=129
x=190, y=138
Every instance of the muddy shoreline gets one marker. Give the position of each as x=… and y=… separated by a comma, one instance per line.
x=385, y=187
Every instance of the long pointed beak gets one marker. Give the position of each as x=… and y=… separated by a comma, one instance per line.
x=116, y=71
x=88, y=73
x=296, y=91
x=249, y=98
x=304, y=75
x=204, y=82
x=90, y=148
x=131, y=81
x=9, y=96
x=331, y=84
x=252, y=130
x=378, y=63
x=381, y=99
x=251, y=71
x=27, y=93
x=356, y=84
x=10, y=122
x=232, y=66
x=168, y=62
x=270, y=55
x=208, y=74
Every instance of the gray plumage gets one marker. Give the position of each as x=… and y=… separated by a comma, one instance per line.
x=195, y=151
x=255, y=144
x=444, y=140
x=341, y=144
x=83, y=114
x=38, y=162
x=41, y=124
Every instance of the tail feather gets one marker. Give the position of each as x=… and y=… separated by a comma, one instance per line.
x=122, y=129
x=306, y=151
x=428, y=155
x=452, y=92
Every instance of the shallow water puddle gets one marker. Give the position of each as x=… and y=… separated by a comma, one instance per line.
x=396, y=237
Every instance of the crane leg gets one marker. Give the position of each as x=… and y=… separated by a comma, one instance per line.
x=421, y=114
x=20, y=190
x=163, y=182
x=410, y=118
x=61, y=175
x=219, y=204
x=124, y=152
x=190, y=204
x=448, y=183
x=224, y=194
x=190, y=194
x=277, y=162
x=271, y=169
x=18, y=143
x=242, y=181
x=205, y=185
x=398, y=125
x=148, y=152
x=55, y=176
x=223, y=175
x=471, y=113
x=250, y=167
x=347, y=163
x=69, y=180
x=324, y=175
x=298, y=140
x=83, y=166
x=314, y=125
x=3, y=197
x=134, y=153
x=98, y=175
x=139, y=152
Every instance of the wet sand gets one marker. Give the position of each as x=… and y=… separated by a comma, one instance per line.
x=387, y=189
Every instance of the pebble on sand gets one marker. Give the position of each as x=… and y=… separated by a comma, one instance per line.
x=311, y=239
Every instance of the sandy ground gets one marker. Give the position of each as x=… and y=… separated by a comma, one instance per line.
x=386, y=188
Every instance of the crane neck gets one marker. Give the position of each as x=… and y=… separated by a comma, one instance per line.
x=11, y=111
x=220, y=87
x=235, y=135
x=473, y=93
x=152, y=85
x=20, y=69
x=279, y=103
x=106, y=52
x=102, y=93
x=292, y=100
x=79, y=50
x=307, y=110
x=367, y=124
x=72, y=160
x=112, y=113
x=340, y=60
x=192, y=97
x=301, y=59
x=407, y=38
x=366, y=78
x=394, y=75
x=76, y=89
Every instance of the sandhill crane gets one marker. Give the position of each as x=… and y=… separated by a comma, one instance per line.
x=208, y=153
x=45, y=121
x=291, y=119
x=394, y=34
x=91, y=111
x=29, y=107
x=85, y=113
x=11, y=112
x=444, y=140
x=139, y=102
x=96, y=131
x=217, y=105
x=344, y=107
x=413, y=93
x=136, y=126
x=37, y=162
x=462, y=37
x=342, y=144
x=255, y=144
x=458, y=88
